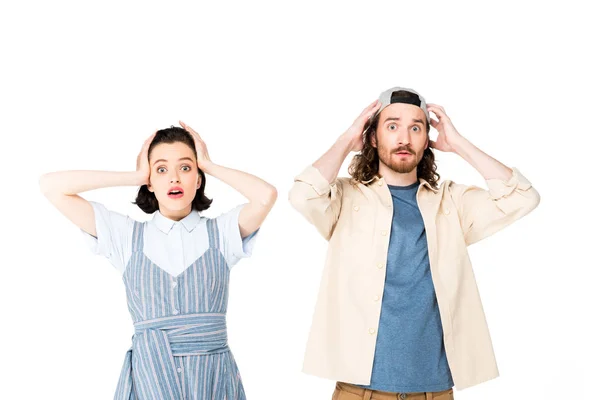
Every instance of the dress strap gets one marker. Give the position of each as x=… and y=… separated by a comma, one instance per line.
x=213, y=233
x=137, y=239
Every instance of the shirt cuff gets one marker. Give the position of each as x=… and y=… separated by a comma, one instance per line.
x=248, y=244
x=239, y=247
x=91, y=242
x=96, y=244
x=499, y=188
x=314, y=178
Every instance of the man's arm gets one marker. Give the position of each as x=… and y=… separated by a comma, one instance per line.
x=316, y=193
x=484, y=212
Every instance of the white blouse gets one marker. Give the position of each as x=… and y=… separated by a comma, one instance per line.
x=171, y=245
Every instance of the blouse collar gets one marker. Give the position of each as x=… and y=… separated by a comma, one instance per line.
x=165, y=224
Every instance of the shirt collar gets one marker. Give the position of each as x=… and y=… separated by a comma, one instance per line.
x=423, y=182
x=165, y=224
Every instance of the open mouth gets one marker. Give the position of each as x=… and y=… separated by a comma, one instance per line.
x=175, y=193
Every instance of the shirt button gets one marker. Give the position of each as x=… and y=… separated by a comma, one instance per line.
x=174, y=284
x=446, y=212
x=179, y=370
x=380, y=183
x=380, y=265
x=356, y=208
x=175, y=312
x=383, y=233
x=371, y=330
x=376, y=297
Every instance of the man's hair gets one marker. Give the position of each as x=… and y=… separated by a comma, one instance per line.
x=146, y=200
x=365, y=164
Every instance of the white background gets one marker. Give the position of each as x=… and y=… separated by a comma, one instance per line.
x=270, y=86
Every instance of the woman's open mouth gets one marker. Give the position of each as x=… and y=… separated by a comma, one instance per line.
x=175, y=193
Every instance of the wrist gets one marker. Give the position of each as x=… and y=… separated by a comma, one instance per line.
x=460, y=145
x=140, y=178
x=206, y=167
x=346, y=140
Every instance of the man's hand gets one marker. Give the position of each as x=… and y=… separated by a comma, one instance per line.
x=448, y=137
x=355, y=132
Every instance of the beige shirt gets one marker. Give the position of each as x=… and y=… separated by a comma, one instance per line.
x=357, y=220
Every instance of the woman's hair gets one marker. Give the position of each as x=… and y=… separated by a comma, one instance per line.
x=146, y=200
x=365, y=165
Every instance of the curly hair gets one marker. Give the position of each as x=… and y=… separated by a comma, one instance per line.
x=365, y=164
x=146, y=200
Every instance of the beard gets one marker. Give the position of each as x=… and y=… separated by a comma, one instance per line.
x=396, y=163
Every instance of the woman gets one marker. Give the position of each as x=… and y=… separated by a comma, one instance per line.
x=175, y=266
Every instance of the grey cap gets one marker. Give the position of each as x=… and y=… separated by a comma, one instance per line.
x=388, y=98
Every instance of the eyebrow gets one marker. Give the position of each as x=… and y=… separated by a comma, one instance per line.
x=398, y=119
x=181, y=159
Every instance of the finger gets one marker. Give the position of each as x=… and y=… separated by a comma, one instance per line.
x=189, y=129
x=148, y=141
x=372, y=111
x=438, y=113
x=437, y=110
x=371, y=108
x=371, y=105
x=433, y=143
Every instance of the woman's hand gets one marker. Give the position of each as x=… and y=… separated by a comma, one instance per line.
x=201, y=150
x=143, y=164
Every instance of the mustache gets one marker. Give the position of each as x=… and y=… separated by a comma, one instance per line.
x=403, y=148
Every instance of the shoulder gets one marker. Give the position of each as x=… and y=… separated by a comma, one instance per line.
x=352, y=188
x=227, y=222
x=102, y=210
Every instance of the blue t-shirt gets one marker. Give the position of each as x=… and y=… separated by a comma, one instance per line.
x=409, y=353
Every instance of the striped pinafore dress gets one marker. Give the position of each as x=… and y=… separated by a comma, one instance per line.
x=179, y=348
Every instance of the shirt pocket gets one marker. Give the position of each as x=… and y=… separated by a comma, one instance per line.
x=360, y=216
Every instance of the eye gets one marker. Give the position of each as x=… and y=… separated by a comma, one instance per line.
x=416, y=128
x=161, y=168
x=392, y=127
x=186, y=166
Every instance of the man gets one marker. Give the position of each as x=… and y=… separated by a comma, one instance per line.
x=398, y=313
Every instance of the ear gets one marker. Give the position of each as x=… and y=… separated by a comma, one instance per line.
x=374, y=140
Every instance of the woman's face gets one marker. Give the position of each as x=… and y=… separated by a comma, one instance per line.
x=174, y=178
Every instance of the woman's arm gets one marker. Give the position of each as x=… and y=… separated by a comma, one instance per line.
x=62, y=188
x=260, y=194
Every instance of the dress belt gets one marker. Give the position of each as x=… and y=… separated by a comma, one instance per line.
x=157, y=341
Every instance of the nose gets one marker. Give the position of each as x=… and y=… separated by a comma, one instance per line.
x=403, y=137
x=175, y=178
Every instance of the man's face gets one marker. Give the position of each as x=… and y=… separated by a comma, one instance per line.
x=401, y=137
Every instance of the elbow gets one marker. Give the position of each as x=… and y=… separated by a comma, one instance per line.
x=267, y=197
x=534, y=199
x=529, y=201
x=44, y=185
x=271, y=196
x=296, y=199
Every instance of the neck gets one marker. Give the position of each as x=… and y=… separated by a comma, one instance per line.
x=397, y=178
x=175, y=215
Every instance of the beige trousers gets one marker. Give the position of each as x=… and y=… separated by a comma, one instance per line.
x=346, y=391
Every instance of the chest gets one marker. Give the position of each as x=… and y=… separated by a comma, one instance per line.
x=176, y=251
